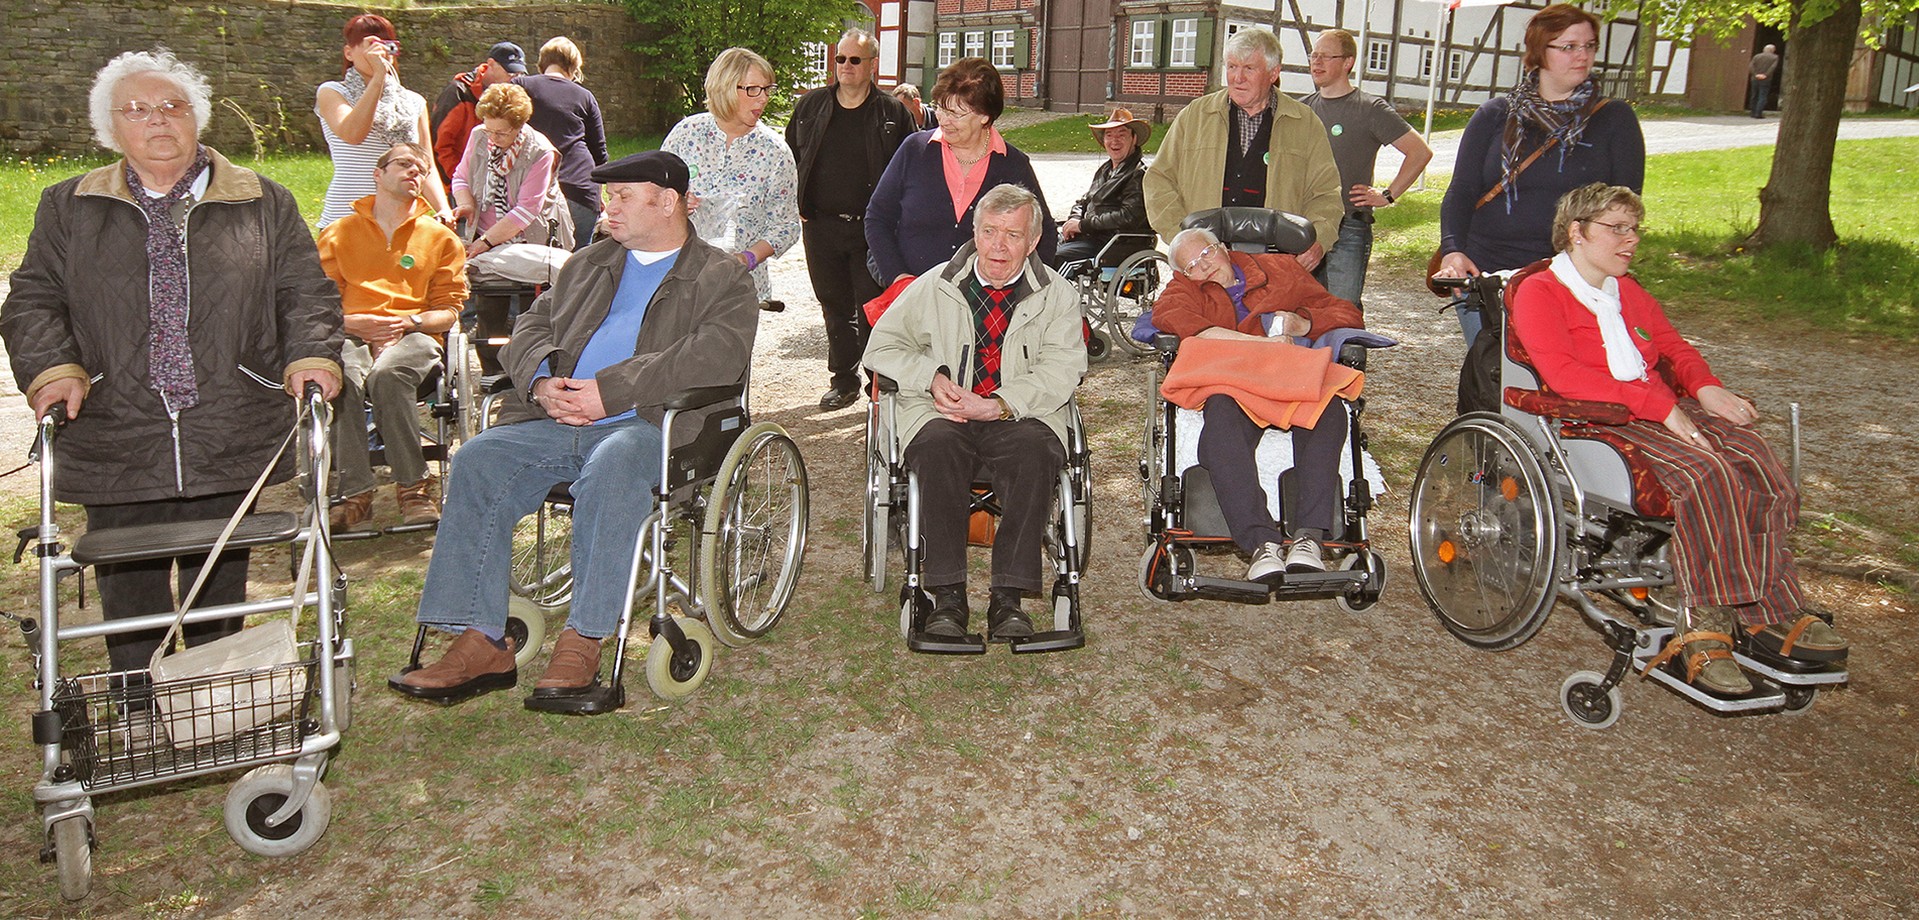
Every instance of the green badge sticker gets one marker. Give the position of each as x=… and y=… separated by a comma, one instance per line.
x=1338, y=130
x=1266, y=158
x=1642, y=333
x=406, y=261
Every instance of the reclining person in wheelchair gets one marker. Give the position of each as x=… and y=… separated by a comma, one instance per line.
x=986, y=351
x=402, y=279
x=1115, y=203
x=634, y=318
x=1594, y=334
x=1219, y=293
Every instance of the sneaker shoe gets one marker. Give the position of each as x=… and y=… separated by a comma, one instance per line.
x=473, y=665
x=574, y=667
x=836, y=398
x=1004, y=620
x=1305, y=555
x=1267, y=563
x=948, y=617
x=417, y=505
x=354, y=514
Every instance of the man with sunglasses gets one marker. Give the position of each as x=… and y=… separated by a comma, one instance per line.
x=843, y=134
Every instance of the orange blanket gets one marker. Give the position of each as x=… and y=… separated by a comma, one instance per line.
x=1279, y=384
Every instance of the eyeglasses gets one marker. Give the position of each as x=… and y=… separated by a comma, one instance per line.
x=1316, y=57
x=945, y=112
x=1576, y=47
x=754, y=90
x=1621, y=230
x=171, y=109
x=1204, y=254
x=854, y=59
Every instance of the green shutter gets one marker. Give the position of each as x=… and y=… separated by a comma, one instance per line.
x=1203, y=55
x=932, y=61
x=1163, y=38
x=1022, y=48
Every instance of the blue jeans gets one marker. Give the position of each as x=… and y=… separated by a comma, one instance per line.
x=1346, y=263
x=503, y=475
x=1470, y=322
x=585, y=216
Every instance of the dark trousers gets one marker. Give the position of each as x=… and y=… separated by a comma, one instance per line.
x=836, y=261
x=131, y=589
x=1020, y=460
x=1761, y=94
x=1226, y=449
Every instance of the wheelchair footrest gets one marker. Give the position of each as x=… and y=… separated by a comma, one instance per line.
x=1790, y=671
x=412, y=528
x=918, y=641
x=1231, y=589
x=1056, y=640
x=1303, y=585
x=161, y=541
x=600, y=699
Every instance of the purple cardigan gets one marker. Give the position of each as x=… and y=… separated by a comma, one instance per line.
x=909, y=223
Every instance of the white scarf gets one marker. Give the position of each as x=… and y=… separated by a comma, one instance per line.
x=1622, y=356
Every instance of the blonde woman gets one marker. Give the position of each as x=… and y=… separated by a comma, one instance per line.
x=505, y=184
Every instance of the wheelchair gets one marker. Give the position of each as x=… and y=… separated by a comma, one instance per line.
x=1512, y=511
x=737, y=496
x=450, y=406
x=1115, y=289
x=893, y=519
x=1182, y=517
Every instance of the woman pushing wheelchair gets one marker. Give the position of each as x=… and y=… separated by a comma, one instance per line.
x=1594, y=334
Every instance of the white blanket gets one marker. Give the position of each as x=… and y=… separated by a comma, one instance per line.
x=1275, y=456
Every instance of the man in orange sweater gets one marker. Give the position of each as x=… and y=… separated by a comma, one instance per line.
x=402, y=278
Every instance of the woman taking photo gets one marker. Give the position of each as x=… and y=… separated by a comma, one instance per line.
x=922, y=210
x=1594, y=334
x=505, y=184
x=745, y=188
x=365, y=112
x=569, y=116
x=1520, y=152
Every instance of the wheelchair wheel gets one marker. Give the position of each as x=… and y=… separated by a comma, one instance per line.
x=1799, y=700
x=464, y=369
x=674, y=676
x=526, y=626
x=1134, y=287
x=73, y=856
x=1485, y=533
x=1054, y=536
x=1157, y=570
x=542, y=570
x=876, y=531
x=1362, y=598
x=1582, y=701
x=754, y=536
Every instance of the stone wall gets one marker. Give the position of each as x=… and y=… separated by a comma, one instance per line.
x=267, y=57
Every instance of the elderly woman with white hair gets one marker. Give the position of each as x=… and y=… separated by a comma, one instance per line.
x=745, y=184
x=171, y=301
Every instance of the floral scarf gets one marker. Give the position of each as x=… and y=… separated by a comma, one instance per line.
x=395, y=121
x=1529, y=113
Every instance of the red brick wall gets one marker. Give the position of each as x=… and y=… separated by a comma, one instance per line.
x=973, y=6
x=1186, y=84
x=1007, y=4
x=1139, y=82
x=948, y=7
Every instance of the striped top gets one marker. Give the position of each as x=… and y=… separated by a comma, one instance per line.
x=353, y=163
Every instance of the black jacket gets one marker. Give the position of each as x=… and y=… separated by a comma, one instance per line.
x=815, y=111
x=1116, y=202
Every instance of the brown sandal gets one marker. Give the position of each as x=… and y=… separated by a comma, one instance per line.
x=1714, y=662
x=1792, y=641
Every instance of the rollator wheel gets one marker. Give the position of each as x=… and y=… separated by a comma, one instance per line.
x=526, y=626
x=675, y=676
x=1485, y=533
x=1583, y=702
x=754, y=537
x=1134, y=288
x=258, y=795
x=1362, y=598
x=73, y=856
x=876, y=530
x=1799, y=700
x=542, y=570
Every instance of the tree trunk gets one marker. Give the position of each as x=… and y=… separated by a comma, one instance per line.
x=1796, y=204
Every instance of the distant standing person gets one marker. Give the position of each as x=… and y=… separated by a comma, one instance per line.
x=909, y=96
x=1765, y=71
x=453, y=118
x=843, y=135
x=569, y=116
x=1358, y=124
x=365, y=112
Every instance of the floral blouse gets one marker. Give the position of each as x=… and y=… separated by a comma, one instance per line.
x=748, y=189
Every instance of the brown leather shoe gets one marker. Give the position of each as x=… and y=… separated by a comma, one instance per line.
x=353, y=514
x=417, y=505
x=471, y=666
x=574, y=667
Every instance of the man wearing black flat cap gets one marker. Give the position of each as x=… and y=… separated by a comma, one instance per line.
x=648, y=311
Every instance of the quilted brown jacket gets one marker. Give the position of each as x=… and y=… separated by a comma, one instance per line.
x=260, y=310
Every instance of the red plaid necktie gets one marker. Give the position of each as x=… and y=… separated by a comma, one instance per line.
x=993, y=325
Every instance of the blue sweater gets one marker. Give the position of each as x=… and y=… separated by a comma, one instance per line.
x=909, y=221
x=1612, y=150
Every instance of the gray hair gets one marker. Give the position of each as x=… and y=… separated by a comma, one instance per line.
x=1260, y=41
x=159, y=61
x=1007, y=198
x=1187, y=237
x=869, y=45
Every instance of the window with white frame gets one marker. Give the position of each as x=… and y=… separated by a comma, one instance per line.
x=1379, y=55
x=1183, y=50
x=1003, y=48
x=976, y=44
x=1145, y=45
x=1455, y=65
x=1426, y=62
x=1233, y=28
x=949, y=48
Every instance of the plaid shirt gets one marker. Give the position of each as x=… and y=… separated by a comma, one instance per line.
x=1249, y=124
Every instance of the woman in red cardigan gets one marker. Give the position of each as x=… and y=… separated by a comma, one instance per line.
x=1594, y=334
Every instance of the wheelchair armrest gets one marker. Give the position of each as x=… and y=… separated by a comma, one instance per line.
x=886, y=384
x=1583, y=410
x=1167, y=344
x=1353, y=355
x=698, y=397
x=1261, y=229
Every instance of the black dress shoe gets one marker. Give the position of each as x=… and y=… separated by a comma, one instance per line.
x=837, y=399
x=1004, y=620
x=948, y=617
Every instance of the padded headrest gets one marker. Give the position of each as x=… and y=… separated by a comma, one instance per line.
x=1256, y=229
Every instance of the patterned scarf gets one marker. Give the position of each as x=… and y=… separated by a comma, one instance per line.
x=394, y=120
x=1526, y=109
x=169, y=352
x=499, y=162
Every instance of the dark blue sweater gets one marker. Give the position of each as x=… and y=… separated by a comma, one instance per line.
x=909, y=221
x=1612, y=150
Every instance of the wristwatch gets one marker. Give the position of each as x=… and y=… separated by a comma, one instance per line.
x=415, y=320
x=1005, y=411
x=1388, y=194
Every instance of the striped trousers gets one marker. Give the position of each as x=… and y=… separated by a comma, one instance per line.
x=1733, y=506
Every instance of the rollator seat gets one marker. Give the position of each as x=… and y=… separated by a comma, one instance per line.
x=161, y=541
